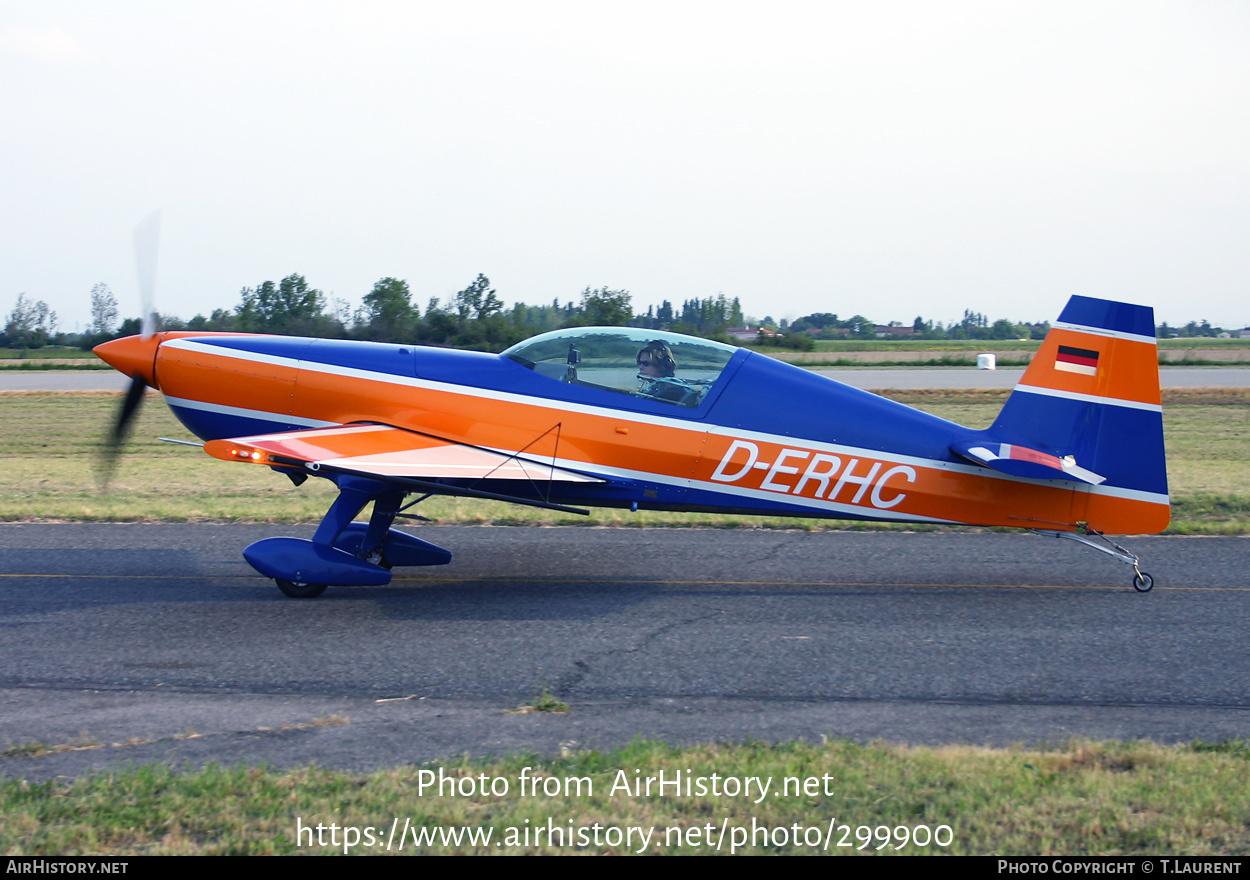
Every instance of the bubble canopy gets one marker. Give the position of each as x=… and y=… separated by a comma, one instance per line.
x=607, y=357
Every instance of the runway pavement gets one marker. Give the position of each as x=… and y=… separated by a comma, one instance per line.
x=136, y=643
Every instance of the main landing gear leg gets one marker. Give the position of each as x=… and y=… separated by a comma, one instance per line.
x=343, y=552
x=1142, y=582
x=385, y=507
x=354, y=494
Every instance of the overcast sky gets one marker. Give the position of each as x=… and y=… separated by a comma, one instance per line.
x=892, y=159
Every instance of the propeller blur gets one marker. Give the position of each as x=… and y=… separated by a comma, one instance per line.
x=147, y=236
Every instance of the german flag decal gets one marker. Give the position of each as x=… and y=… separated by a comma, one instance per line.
x=1077, y=360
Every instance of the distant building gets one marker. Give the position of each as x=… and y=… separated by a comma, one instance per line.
x=883, y=332
x=747, y=334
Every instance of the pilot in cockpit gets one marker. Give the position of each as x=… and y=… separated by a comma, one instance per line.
x=655, y=361
x=656, y=369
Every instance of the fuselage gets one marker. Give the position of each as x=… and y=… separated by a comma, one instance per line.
x=763, y=437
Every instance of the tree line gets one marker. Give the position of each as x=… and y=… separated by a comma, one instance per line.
x=477, y=318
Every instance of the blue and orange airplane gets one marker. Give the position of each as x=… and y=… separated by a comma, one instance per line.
x=640, y=419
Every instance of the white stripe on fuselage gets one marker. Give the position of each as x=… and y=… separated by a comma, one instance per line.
x=259, y=415
x=855, y=511
x=190, y=344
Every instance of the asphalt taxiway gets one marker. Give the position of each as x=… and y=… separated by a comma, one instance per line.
x=137, y=643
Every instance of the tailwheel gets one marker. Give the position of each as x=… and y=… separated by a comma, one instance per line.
x=299, y=590
x=1142, y=582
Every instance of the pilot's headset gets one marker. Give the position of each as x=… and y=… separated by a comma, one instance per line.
x=661, y=356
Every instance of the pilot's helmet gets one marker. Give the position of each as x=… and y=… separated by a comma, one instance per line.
x=657, y=353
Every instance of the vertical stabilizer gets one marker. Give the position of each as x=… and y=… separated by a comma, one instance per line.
x=1092, y=392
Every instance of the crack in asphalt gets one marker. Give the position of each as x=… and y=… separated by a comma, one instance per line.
x=573, y=679
x=788, y=539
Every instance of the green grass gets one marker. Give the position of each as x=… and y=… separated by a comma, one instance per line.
x=54, y=441
x=43, y=366
x=51, y=357
x=862, y=361
x=1075, y=798
x=48, y=351
x=544, y=701
x=1011, y=352
x=1024, y=345
x=973, y=345
x=1207, y=343
x=1198, y=351
x=1078, y=798
x=1004, y=344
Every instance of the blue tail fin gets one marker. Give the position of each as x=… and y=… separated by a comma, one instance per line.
x=1091, y=397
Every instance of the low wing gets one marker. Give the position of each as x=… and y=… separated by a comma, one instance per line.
x=404, y=458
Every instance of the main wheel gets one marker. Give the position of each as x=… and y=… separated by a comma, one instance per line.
x=300, y=591
x=1142, y=582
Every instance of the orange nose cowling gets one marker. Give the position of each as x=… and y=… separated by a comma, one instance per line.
x=131, y=355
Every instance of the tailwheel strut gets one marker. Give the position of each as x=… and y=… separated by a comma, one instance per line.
x=1142, y=582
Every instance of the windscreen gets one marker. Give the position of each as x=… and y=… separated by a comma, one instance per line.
x=650, y=364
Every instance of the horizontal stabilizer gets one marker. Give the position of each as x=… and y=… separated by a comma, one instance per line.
x=1021, y=461
x=382, y=451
